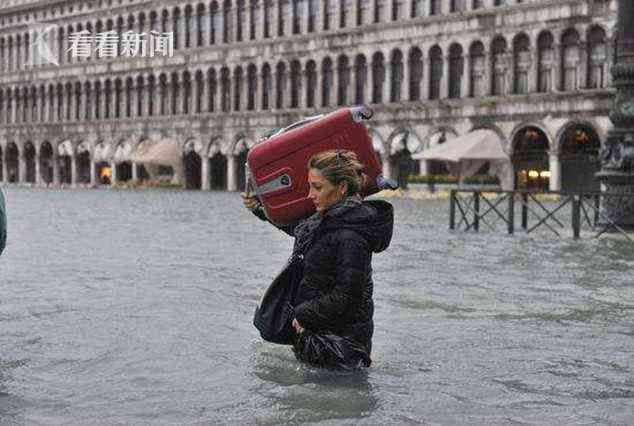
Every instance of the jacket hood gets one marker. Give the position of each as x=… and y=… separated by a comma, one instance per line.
x=373, y=219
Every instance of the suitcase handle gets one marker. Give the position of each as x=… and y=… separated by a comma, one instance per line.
x=361, y=113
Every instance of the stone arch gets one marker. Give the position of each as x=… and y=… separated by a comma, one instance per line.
x=12, y=160
x=530, y=148
x=46, y=159
x=122, y=160
x=217, y=165
x=83, y=152
x=192, y=163
x=29, y=161
x=578, y=147
x=65, y=151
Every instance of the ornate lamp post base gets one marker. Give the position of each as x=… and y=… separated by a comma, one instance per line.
x=617, y=154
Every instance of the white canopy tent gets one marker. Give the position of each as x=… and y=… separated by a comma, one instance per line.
x=466, y=154
x=155, y=153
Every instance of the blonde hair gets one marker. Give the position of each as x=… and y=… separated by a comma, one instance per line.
x=337, y=166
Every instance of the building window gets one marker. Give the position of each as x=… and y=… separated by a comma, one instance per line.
x=415, y=64
x=311, y=83
x=343, y=71
x=326, y=69
x=597, y=54
x=378, y=77
x=280, y=80
x=361, y=77
x=478, y=70
x=570, y=58
x=266, y=86
x=434, y=7
x=296, y=75
x=396, y=84
x=499, y=49
x=546, y=62
x=522, y=59
x=435, y=72
x=456, y=70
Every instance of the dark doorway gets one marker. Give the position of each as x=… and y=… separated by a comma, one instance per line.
x=579, y=156
x=193, y=167
x=13, y=166
x=29, y=160
x=530, y=160
x=124, y=171
x=46, y=162
x=219, y=172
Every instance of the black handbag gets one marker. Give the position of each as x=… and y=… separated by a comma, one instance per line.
x=274, y=314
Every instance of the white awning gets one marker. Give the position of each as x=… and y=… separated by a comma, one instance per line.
x=166, y=152
x=466, y=154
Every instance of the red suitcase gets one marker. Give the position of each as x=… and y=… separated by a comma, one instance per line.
x=277, y=168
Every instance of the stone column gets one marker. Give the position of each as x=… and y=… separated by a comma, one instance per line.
x=288, y=23
x=444, y=81
x=387, y=83
x=352, y=99
x=387, y=169
x=319, y=16
x=260, y=23
x=465, y=82
x=558, y=72
x=204, y=25
x=133, y=100
x=5, y=169
x=337, y=24
x=584, y=60
x=55, y=160
x=533, y=71
x=102, y=101
x=232, y=178
x=38, y=168
x=22, y=166
x=424, y=93
x=257, y=89
x=135, y=172
x=113, y=177
x=145, y=99
x=555, y=172
x=46, y=106
x=275, y=17
x=14, y=109
x=93, y=172
x=181, y=31
x=273, y=97
x=84, y=114
x=406, y=78
x=204, y=172
x=488, y=76
x=73, y=170
x=193, y=38
x=319, y=83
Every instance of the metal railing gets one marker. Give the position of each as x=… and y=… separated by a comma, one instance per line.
x=576, y=211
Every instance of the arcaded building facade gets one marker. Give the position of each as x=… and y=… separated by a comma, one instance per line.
x=534, y=71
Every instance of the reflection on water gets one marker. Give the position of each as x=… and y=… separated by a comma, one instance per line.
x=124, y=307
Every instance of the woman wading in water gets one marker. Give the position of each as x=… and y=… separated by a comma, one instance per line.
x=334, y=306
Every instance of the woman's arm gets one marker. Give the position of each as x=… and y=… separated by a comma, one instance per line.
x=256, y=208
x=327, y=311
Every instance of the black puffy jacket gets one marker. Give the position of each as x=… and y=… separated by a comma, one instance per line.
x=335, y=291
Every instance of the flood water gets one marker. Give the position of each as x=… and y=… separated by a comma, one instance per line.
x=135, y=307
